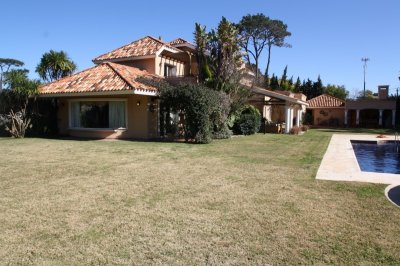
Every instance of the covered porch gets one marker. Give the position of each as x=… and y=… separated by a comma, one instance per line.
x=370, y=113
x=281, y=108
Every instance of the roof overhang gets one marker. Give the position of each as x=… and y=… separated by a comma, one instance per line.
x=166, y=48
x=122, y=59
x=188, y=45
x=326, y=107
x=276, y=95
x=180, y=56
x=99, y=93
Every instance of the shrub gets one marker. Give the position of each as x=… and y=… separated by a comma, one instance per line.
x=305, y=128
x=295, y=130
x=307, y=119
x=205, y=111
x=248, y=122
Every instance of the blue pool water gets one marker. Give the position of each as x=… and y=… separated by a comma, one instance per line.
x=380, y=157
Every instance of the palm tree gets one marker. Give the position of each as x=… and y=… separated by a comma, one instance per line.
x=55, y=65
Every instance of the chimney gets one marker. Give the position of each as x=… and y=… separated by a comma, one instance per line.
x=383, y=92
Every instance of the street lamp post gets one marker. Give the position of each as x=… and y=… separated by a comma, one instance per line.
x=365, y=60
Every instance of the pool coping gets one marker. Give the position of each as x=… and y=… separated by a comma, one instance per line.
x=340, y=163
x=387, y=190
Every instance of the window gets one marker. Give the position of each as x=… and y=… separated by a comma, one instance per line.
x=98, y=114
x=169, y=70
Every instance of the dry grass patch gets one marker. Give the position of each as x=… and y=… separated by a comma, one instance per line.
x=250, y=200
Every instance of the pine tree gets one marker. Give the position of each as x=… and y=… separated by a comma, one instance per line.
x=290, y=84
x=297, y=85
x=274, y=82
x=307, y=88
x=317, y=88
x=284, y=76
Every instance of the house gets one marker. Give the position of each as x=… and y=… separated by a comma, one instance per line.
x=371, y=113
x=326, y=110
x=117, y=98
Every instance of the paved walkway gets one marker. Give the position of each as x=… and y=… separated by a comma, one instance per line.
x=340, y=163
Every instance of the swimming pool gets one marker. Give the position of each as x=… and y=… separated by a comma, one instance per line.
x=377, y=156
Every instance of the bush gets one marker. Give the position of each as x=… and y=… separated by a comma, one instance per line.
x=205, y=111
x=307, y=119
x=248, y=122
x=295, y=130
x=305, y=128
x=44, y=118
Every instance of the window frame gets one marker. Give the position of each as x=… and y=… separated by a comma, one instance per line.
x=167, y=71
x=70, y=101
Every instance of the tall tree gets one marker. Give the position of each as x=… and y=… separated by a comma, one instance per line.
x=297, y=85
x=201, y=40
x=337, y=91
x=368, y=95
x=274, y=84
x=317, y=88
x=55, y=65
x=307, y=88
x=284, y=76
x=219, y=51
x=253, y=37
x=5, y=65
x=222, y=60
x=276, y=34
x=290, y=83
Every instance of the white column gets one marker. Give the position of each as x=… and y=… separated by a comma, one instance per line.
x=380, y=117
x=394, y=117
x=345, y=118
x=291, y=117
x=287, y=119
x=298, y=117
x=357, y=117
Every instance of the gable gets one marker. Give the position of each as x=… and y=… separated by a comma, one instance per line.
x=147, y=46
x=325, y=101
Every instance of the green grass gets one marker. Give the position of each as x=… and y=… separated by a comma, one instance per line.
x=246, y=200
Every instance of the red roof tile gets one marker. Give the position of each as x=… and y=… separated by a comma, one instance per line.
x=105, y=77
x=142, y=47
x=325, y=101
x=178, y=41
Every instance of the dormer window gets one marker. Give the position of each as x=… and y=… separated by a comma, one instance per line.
x=169, y=70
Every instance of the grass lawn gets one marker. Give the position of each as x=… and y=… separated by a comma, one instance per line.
x=246, y=200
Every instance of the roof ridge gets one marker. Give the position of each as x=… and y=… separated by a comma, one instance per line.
x=120, y=75
x=325, y=94
x=155, y=39
x=178, y=38
x=109, y=52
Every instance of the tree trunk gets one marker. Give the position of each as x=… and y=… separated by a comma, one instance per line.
x=256, y=70
x=268, y=61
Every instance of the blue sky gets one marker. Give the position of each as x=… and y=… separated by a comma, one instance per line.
x=329, y=38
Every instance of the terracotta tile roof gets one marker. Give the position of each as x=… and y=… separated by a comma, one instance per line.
x=325, y=101
x=106, y=77
x=142, y=47
x=178, y=41
x=138, y=79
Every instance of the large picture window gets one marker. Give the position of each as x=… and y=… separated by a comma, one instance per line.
x=98, y=114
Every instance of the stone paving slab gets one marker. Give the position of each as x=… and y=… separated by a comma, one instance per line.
x=340, y=163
